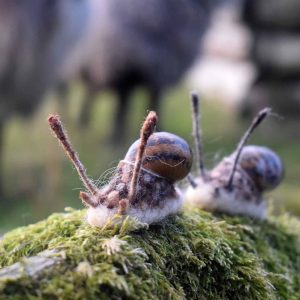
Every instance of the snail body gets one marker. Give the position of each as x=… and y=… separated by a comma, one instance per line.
x=237, y=184
x=143, y=185
x=167, y=159
x=259, y=170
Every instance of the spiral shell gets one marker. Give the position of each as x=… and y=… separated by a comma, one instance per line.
x=263, y=166
x=166, y=155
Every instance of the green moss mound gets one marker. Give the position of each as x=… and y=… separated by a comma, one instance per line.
x=191, y=256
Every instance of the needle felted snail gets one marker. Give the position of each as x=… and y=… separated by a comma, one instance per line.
x=143, y=185
x=236, y=185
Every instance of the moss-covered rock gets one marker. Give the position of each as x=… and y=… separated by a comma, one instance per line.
x=191, y=256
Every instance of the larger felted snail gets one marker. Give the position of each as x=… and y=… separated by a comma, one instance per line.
x=236, y=185
x=143, y=185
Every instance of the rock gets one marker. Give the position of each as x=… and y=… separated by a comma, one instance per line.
x=189, y=256
x=276, y=46
x=275, y=14
x=278, y=55
x=282, y=96
x=32, y=266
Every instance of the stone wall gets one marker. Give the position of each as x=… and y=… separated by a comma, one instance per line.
x=275, y=25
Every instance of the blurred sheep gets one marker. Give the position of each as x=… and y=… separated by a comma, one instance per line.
x=133, y=43
x=35, y=38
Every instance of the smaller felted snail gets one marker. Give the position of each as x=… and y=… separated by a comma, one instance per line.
x=143, y=185
x=236, y=185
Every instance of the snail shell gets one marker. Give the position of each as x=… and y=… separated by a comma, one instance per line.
x=166, y=155
x=263, y=166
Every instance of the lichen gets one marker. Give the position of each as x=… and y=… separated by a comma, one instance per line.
x=195, y=255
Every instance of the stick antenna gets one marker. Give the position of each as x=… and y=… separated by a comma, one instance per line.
x=146, y=131
x=197, y=133
x=261, y=116
x=59, y=132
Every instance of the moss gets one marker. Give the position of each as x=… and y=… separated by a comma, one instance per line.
x=191, y=256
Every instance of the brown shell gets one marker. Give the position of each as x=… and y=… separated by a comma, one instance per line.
x=166, y=154
x=263, y=165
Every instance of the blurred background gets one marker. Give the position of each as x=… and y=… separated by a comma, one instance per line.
x=101, y=64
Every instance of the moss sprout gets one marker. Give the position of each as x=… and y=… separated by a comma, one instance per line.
x=195, y=255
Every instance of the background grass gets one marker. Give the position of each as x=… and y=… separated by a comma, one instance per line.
x=39, y=179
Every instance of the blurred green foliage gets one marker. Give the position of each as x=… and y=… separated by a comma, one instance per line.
x=39, y=178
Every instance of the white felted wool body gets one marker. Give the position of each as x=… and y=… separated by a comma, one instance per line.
x=208, y=198
x=100, y=215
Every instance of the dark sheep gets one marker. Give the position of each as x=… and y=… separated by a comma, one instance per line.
x=35, y=38
x=141, y=43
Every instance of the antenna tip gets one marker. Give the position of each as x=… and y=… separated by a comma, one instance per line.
x=194, y=93
x=56, y=126
x=194, y=97
x=266, y=111
x=149, y=124
x=262, y=115
x=52, y=119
